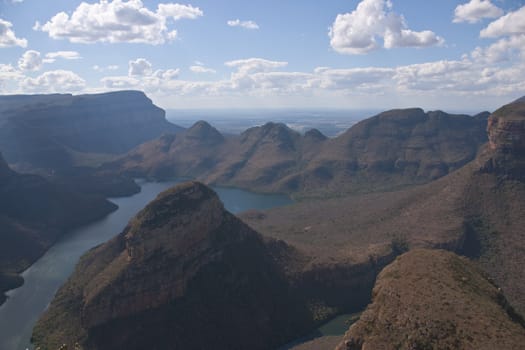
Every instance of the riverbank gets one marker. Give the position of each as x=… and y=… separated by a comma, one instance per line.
x=46, y=275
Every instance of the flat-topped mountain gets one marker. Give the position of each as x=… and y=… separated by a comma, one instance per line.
x=33, y=214
x=433, y=299
x=393, y=149
x=184, y=273
x=49, y=131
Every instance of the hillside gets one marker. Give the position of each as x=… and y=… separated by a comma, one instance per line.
x=184, y=273
x=477, y=210
x=391, y=150
x=52, y=131
x=33, y=214
x=433, y=299
x=323, y=254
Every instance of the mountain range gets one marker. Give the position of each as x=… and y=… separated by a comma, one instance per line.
x=391, y=150
x=185, y=273
x=184, y=258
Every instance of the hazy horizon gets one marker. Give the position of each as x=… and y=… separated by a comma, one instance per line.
x=369, y=54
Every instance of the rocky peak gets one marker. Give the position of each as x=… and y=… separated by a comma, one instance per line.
x=274, y=133
x=314, y=135
x=175, y=221
x=175, y=236
x=203, y=132
x=185, y=273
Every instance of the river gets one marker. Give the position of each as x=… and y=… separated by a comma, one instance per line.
x=25, y=304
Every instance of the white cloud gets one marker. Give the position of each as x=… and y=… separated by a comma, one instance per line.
x=31, y=60
x=255, y=65
x=510, y=24
x=178, y=11
x=476, y=10
x=117, y=21
x=140, y=76
x=140, y=67
x=505, y=49
x=201, y=69
x=66, y=55
x=54, y=81
x=256, y=79
x=168, y=74
x=357, y=32
x=98, y=68
x=243, y=24
x=8, y=75
x=8, y=37
x=337, y=79
x=120, y=82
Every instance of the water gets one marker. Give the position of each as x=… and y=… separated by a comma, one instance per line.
x=25, y=304
x=335, y=327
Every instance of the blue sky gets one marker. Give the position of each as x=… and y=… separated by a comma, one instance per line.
x=451, y=55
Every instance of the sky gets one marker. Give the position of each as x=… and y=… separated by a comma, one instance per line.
x=342, y=54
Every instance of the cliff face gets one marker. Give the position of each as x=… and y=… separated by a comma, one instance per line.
x=44, y=130
x=183, y=274
x=34, y=213
x=431, y=299
x=393, y=149
x=506, y=130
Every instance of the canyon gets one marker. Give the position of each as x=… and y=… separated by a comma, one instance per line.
x=403, y=180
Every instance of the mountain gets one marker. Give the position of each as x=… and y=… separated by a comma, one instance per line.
x=397, y=148
x=52, y=131
x=33, y=214
x=391, y=150
x=184, y=273
x=477, y=211
x=433, y=299
x=183, y=262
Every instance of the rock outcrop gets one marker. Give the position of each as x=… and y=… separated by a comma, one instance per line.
x=506, y=130
x=33, y=214
x=393, y=149
x=184, y=274
x=433, y=299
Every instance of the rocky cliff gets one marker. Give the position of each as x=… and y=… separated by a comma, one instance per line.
x=506, y=130
x=33, y=214
x=184, y=274
x=496, y=210
x=49, y=131
x=432, y=299
x=393, y=149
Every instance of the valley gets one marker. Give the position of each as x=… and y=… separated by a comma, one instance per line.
x=401, y=181
x=262, y=175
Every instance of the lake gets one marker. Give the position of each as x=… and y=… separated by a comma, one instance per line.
x=25, y=304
